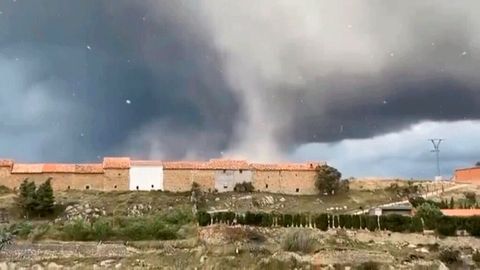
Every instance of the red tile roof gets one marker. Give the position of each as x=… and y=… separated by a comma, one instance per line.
x=185, y=165
x=226, y=164
x=146, y=163
x=461, y=212
x=286, y=166
x=6, y=163
x=116, y=163
x=27, y=168
x=88, y=168
x=58, y=168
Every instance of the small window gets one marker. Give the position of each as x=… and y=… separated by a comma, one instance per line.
x=224, y=171
x=115, y=187
x=225, y=186
x=152, y=186
x=266, y=185
x=87, y=187
x=119, y=174
x=297, y=190
x=137, y=187
x=279, y=172
x=311, y=165
x=296, y=174
x=68, y=188
x=241, y=171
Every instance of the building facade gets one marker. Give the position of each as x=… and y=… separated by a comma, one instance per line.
x=216, y=175
x=468, y=175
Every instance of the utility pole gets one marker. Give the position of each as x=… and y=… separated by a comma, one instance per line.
x=436, y=150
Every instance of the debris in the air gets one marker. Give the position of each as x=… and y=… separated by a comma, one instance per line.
x=128, y=101
x=88, y=47
x=464, y=53
x=385, y=102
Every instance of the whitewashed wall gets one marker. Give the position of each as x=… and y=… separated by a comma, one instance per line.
x=226, y=180
x=146, y=178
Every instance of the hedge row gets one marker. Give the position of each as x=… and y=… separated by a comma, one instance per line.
x=395, y=223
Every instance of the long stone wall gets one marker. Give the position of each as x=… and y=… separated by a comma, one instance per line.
x=212, y=176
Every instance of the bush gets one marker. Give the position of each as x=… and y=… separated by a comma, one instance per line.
x=39, y=231
x=416, y=201
x=77, y=230
x=356, y=222
x=370, y=265
x=299, y=241
x=372, y=223
x=473, y=226
x=288, y=220
x=22, y=230
x=449, y=256
x=476, y=257
x=395, y=223
x=244, y=187
x=203, y=218
x=471, y=197
x=321, y=222
x=429, y=213
x=416, y=225
x=101, y=230
x=446, y=226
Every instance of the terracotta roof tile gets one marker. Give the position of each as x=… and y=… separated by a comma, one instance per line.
x=27, y=168
x=469, y=168
x=146, y=163
x=286, y=166
x=226, y=164
x=461, y=212
x=116, y=163
x=184, y=165
x=58, y=168
x=88, y=168
x=6, y=163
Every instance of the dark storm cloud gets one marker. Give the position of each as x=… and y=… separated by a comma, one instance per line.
x=101, y=56
x=248, y=78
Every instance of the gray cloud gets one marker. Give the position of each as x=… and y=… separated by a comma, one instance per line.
x=248, y=78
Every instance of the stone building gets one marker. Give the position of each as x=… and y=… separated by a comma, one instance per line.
x=216, y=175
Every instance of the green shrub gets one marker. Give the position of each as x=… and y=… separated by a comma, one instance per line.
x=449, y=256
x=473, y=226
x=304, y=220
x=299, y=241
x=416, y=225
x=348, y=221
x=288, y=220
x=446, y=226
x=267, y=220
x=203, y=218
x=370, y=265
x=395, y=223
x=39, y=231
x=179, y=217
x=372, y=223
x=244, y=187
x=429, y=213
x=21, y=230
x=356, y=222
x=101, y=230
x=363, y=221
x=476, y=257
x=77, y=230
x=321, y=222
x=296, y=220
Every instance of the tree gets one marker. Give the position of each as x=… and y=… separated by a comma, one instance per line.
x=478, y=163
x=452, y=203
x=45, y=198
x=327, y=179
x=430, y=214
x=471, y=197
x=36, y=201
x=27, y=200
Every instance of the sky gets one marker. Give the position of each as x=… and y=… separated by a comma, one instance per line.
x=362, y=85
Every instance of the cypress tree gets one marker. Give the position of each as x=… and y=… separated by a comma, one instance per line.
x=452, y=203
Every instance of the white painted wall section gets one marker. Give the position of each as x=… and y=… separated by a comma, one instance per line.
x=146, y=178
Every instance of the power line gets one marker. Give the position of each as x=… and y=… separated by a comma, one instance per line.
x=436, y=150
